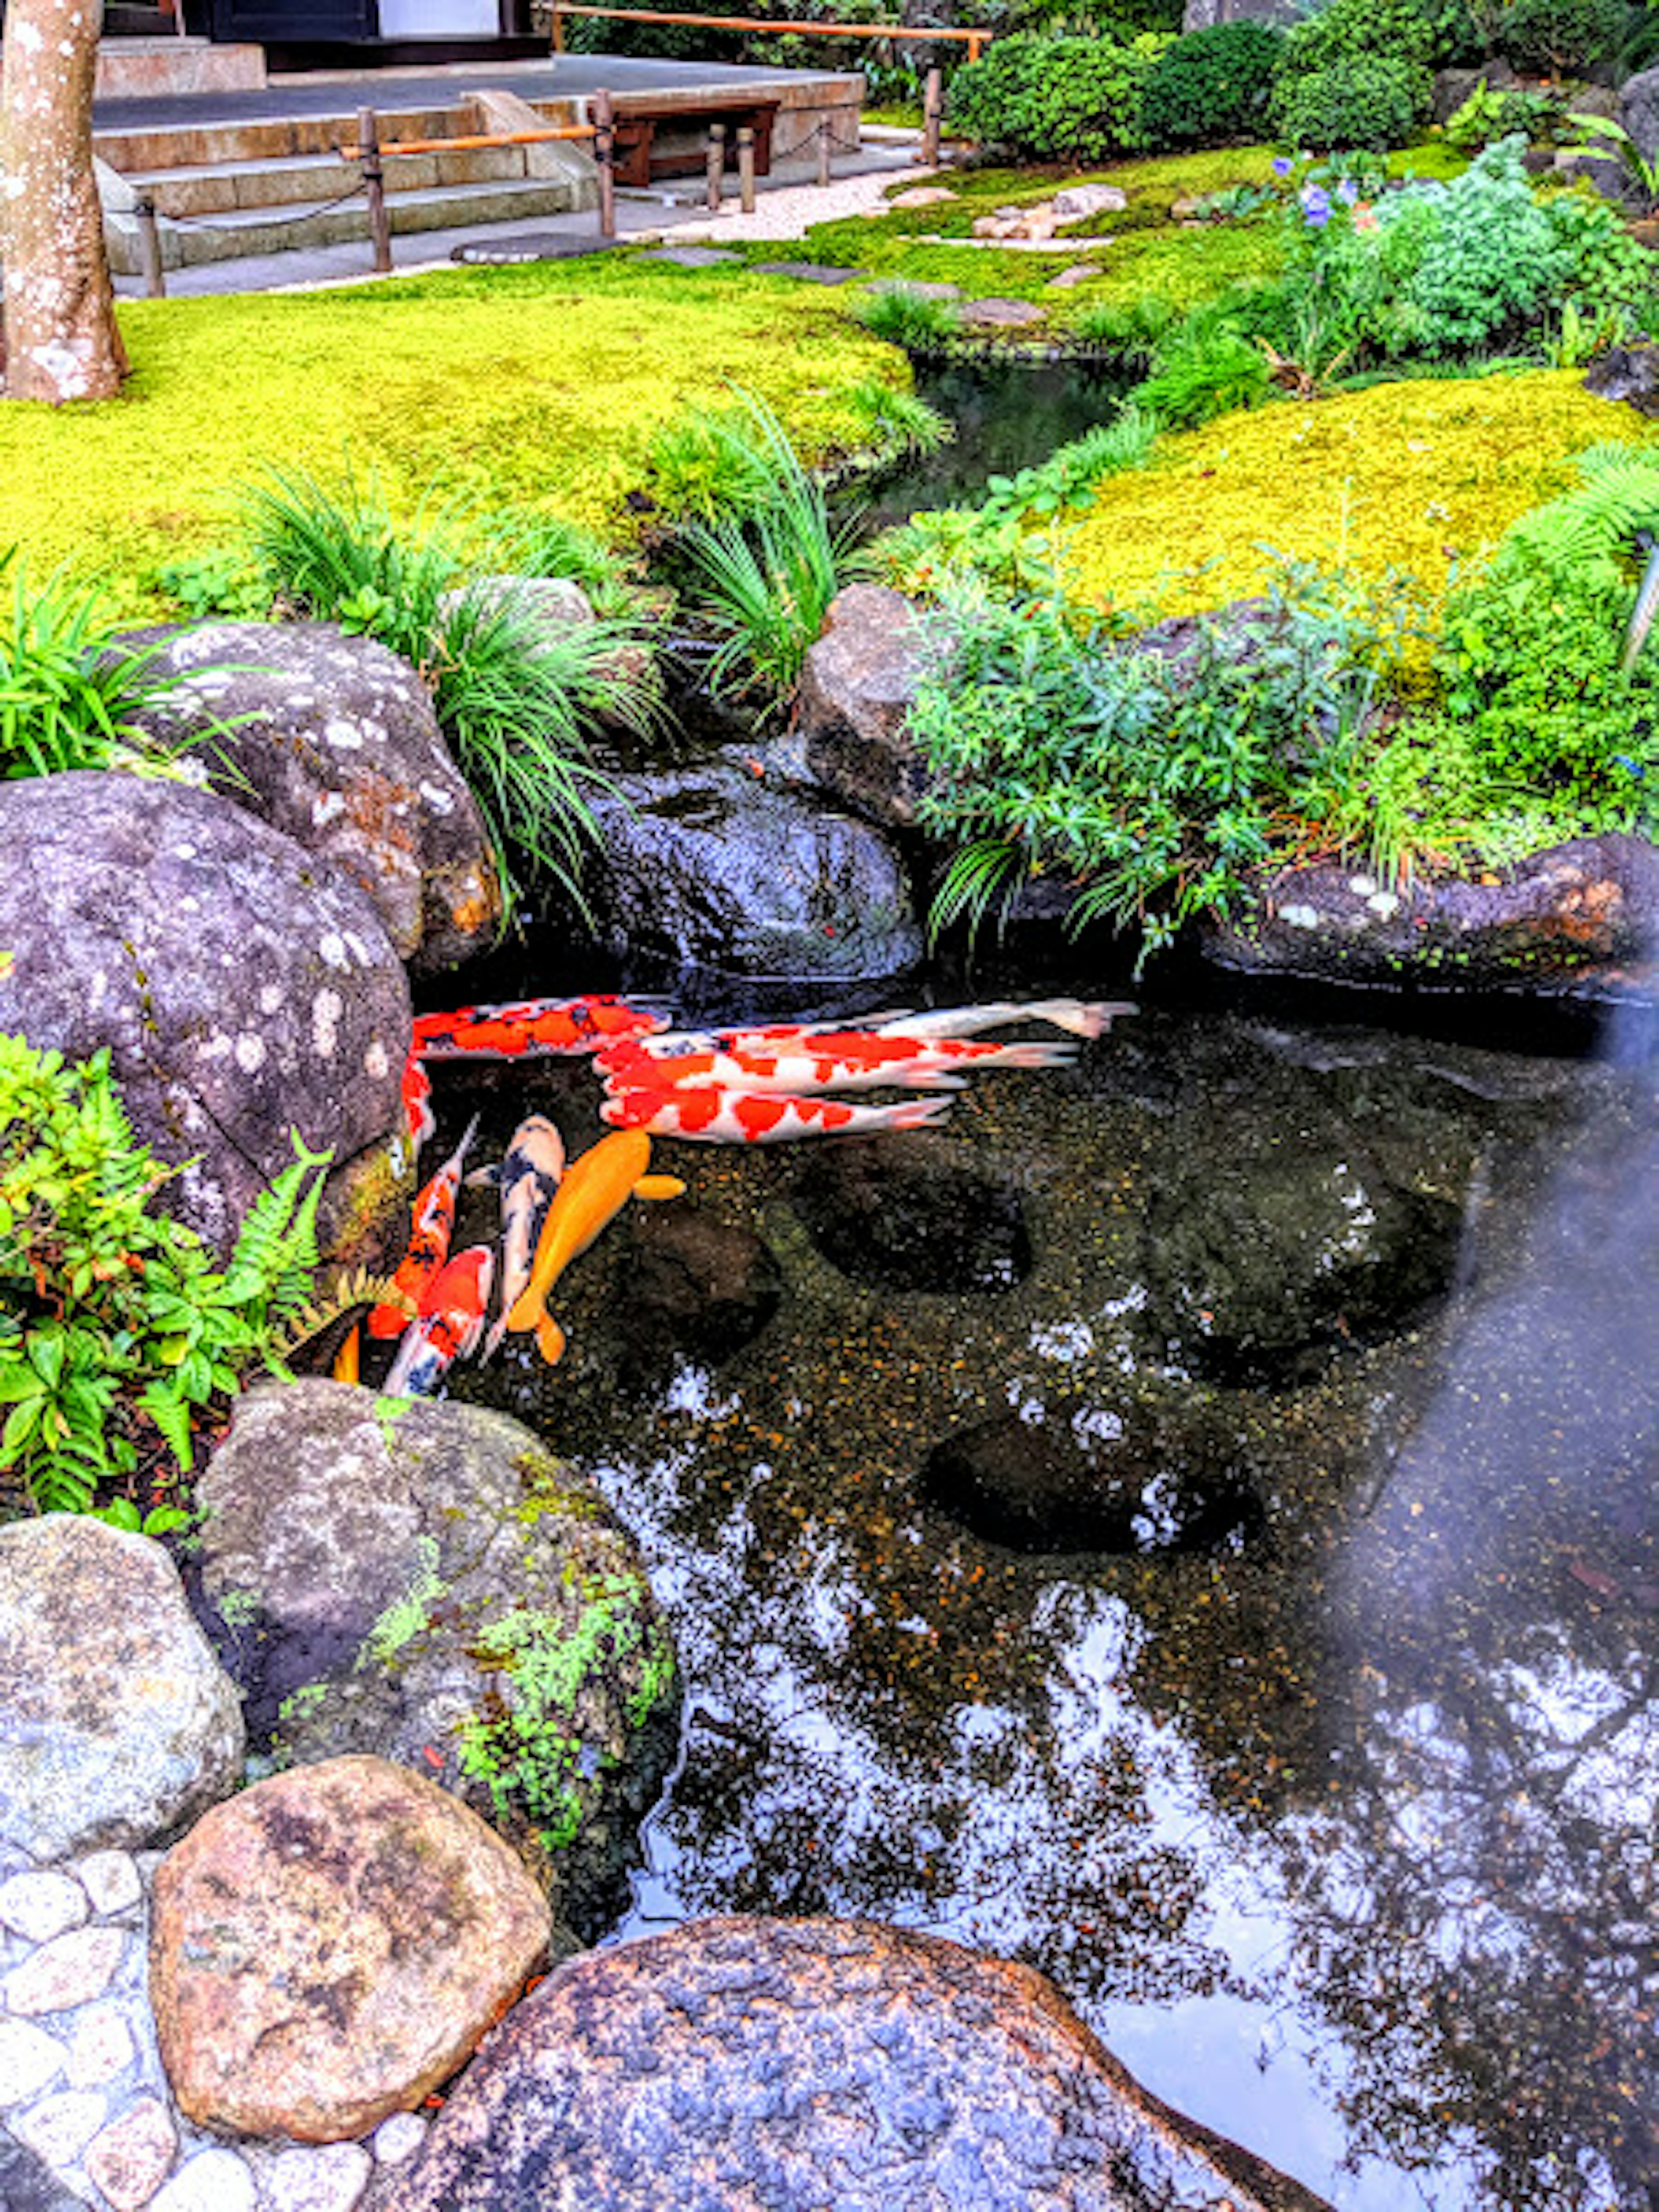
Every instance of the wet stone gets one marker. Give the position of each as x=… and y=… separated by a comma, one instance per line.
x=908, y=1218
x=692, y=1286
x=1083, y=1477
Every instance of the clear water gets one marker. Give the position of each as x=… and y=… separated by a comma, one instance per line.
x=1336, y=1825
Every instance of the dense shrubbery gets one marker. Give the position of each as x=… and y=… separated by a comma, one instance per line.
x=1212, y=86
x=1559, y=38
x=1375, y=100
x=1057, y=99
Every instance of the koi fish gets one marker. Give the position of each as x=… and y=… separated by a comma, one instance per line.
x=348, y=1360
x=528, y=1178
x=1086, y=1018
x=418, y=1116
x=709, y=1116
x=595, y=1189
x=532, y=1028
x=430, y=1231
x=449, y=1329
x=846, y=1060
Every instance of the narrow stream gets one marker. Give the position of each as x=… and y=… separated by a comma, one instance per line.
x=1186, y=1523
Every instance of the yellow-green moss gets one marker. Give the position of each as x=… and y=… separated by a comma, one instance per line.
x=1412, y=475
x=538, y=385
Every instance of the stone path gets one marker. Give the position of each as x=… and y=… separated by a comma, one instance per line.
x=84, y=2100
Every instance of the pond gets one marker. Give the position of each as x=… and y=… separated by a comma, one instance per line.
x=1185, y=1523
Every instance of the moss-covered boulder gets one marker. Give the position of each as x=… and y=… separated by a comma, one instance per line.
x=423, y=1581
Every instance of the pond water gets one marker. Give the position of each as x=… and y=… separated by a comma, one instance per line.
x=1185, y=1523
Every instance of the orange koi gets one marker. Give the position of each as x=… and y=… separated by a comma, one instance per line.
x=532, y=1028
x=432, y=1225
x=709, y=1116
x=418, y=1116
x=596, y=1187
x=450, y=1328
x=845, y=1059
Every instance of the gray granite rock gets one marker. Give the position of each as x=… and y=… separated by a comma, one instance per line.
x=857, y=688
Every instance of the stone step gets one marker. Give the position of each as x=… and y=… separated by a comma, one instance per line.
x=255, y=231
x=273, y=138
x=216, y=188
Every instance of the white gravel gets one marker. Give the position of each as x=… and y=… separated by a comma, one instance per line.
x=788, y=211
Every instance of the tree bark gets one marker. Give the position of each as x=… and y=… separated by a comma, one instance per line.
x=60, y=338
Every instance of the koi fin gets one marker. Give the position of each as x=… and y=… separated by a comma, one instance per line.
x=549, y=1340
x=659, y=1185
x=1083, y=1018
x=492, y=1336
x=347, y=1359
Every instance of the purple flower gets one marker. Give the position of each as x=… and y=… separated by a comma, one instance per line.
x=1348, y=192
x=1283, y=165
x=1316, y=207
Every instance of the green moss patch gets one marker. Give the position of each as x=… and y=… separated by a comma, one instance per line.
x=537, y=386
x=1416, y=476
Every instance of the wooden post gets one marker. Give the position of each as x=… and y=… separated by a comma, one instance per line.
x=716, y=166
x=368, y=153
x=603, y=113
x=558, y=31
x=150, y=250
x=824, y=153
x=932, y=110
x=746, y=166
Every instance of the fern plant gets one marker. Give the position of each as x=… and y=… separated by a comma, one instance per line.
x=111, y=1313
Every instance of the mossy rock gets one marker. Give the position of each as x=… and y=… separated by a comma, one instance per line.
x=424, y=1582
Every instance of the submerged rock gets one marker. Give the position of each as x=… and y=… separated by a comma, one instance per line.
x=1580, y=911
x=811, y=2064
x=119, y=1726
x=329, y=1946
x=426, y=1583
x=333, y=739
x=690, y=1285
x=243, y=992
x=910, y=1218
x=709, y=867
x=1097, y=1479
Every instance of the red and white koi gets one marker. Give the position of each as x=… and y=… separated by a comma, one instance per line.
x=837, y=1060
x=450, y=1328
x=532, y=1028
x=528, y=1179
x=430, y=1230
x=418, y=1116
x=1082, y=1018
x=705, y=1114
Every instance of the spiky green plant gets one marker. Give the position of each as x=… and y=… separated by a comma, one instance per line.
x=908, y=317
x=901, y=424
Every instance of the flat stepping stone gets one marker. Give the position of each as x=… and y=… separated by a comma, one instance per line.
x=1079, y=273
x=921, y=196
x=691, y=257
x=1001, y=314
x=810, y=272
x=917, y=291
x=535, y=246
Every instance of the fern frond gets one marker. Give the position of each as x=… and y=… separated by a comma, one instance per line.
x=170, y=1411
x=352, y=1288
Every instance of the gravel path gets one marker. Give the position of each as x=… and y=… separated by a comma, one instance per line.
x=791, y=211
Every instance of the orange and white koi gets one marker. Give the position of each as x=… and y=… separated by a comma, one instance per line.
x=418, y=1116
x=528, y=1178
x=706, y=1115
x=841, y=1059
x=433, y=1226
x=1082, y=1018
x=596, y=1186
x=449, y=1330
x=532, y=1028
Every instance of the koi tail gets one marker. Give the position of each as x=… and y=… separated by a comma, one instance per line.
x=1083, y=1018
x=549, y=1340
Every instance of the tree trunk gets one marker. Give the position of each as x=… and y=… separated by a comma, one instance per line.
x=61, y=342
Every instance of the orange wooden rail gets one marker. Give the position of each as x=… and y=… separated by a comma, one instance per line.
x=469, y=145
x=974, y=40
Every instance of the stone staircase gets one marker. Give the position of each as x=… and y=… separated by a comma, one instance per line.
x=224, y=191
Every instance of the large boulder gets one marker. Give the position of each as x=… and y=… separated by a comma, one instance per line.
x=801, y=2065
x=712, y=867
x=120, y=1726
x=1638, y=111
x=242, y=993
x=856, y=692
x=423, y=1581
x=329, y=1946
x=333, y=741
x=1579, y=912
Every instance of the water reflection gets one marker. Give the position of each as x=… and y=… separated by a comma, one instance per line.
x=1341, y=1836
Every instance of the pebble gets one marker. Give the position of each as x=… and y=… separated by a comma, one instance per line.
x=69, y=1971
x=330, y=2179
x=131, y=2160
x=212, y=2181
x=111, y=1881
x=30, y=2060
x=398, y=2138
x=41, y=1905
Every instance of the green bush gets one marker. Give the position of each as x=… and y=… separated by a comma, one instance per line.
x=1375, y=100
x=906, y=316
x=1361, y=30
x=111, y=1314
x=1204, y=369
x=1487, y=115
x=1057, y=99
x=1211, y=87
x=1559, y=38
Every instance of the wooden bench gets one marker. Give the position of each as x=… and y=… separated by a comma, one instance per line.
x=638, y=159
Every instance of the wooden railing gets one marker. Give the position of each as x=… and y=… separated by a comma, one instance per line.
x=975, y=41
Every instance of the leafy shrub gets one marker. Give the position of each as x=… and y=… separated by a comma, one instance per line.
x=111, y=1313
x=905, y=316
x=902, y=426
x=1533, y=647
x=1375, y=100
x=1212, y=86
x=702, y=464
x=1559, y=38
x=69, y=694
x=514, y=697
x=1487, y=115
x=215, y=587
x=1204, y=369
x=1357, y=30
x=1057, y=99
x=1151, y=780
